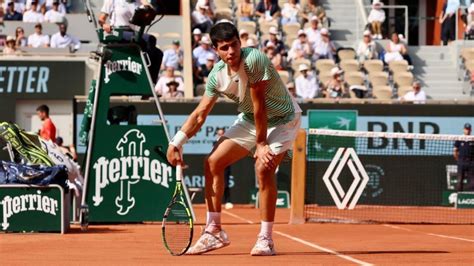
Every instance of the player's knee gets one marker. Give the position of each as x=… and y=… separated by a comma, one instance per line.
x=212, y=164
x=262, y=171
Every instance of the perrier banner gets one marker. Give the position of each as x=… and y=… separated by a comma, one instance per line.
x=128, y=177
x=323, y=147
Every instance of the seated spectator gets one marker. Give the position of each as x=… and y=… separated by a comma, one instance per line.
x=313, y=33
x=197, y=35
x=244, y=36
x=201, y=19
x=61, y=5
x=324, y=49
x=173, y=91
x=203, y=70
x=203, y=51
x=211, y=7
x=312, y=8
x=20, y=6
x=416, y=96
x=173, y=56
x=21, y=40
x=251, y=43
x=469, y=32
x=245, y=10
x=168, y=75
x=276, y=58
x=300, y=48
x=367, y=49
x=33, y=15
x=290, y=12
x=38, y=39
x=279, y=45
x=396, y=50
x=376, y=19
x=291, y=88
x=268, y=10
x=306, y=83
x=54, y=15
x=11, y=13
x=10, y=48
x=63, y=40
x=336, y=87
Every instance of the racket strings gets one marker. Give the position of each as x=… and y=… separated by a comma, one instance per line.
x=177, y=230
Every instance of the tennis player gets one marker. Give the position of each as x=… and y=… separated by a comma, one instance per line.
x=265, y=128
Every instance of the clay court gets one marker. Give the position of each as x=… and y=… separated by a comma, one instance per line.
x=311, y=243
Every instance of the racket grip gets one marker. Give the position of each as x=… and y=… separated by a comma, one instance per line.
x=179, y=172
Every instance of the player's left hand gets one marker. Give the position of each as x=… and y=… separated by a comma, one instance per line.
x=265, y=155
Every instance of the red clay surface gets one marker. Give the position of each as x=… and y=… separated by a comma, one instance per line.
x=354, y=244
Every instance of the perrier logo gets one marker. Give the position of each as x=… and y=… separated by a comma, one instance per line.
x=28, y=202
x=122, y=65
x=132, y=165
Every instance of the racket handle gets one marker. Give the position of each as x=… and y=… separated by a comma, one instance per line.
x=179, y=172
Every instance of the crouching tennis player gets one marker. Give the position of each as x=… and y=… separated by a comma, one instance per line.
x=266, y=128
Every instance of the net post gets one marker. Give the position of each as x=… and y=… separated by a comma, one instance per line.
x=298, y=176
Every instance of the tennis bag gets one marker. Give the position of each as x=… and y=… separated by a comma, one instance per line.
x=13, y=173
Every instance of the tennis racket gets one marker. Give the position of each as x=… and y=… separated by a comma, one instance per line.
x=177, y=226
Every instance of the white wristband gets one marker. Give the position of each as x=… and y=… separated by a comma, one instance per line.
x=179, y=139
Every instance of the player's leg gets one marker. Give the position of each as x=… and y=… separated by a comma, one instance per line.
x=225, y=153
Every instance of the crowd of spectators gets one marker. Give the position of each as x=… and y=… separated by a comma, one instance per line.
x=34, y=11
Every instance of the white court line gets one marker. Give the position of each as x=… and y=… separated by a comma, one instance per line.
x=335, y=253
x=426, y=233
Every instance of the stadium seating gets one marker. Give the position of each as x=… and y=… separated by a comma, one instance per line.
x=403, y=79
x=291, y=29
x=373, y=65
x=382, y=92
x=223, y=3
x=325, y=65
x=349, y=65
x=249, y=26
x=398, y=66
x=223, y=13
x=346, y=54
x=378, y=78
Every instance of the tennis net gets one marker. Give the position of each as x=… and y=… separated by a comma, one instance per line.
x=366, y=177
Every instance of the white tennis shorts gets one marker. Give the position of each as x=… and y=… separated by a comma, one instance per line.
x=280, y=138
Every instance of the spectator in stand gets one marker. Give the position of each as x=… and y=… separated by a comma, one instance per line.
x=324, y=49
x=300, y=48
x=396, y=50
x=416, y=96
x=212, y=7
x=290, y=12
x=20, y=39
x=313, y=8
x=10, y=48
x=19, y=6
x=279, y=45
x=11, y=13
x=173, y=56
x=48, y=129
x=201, y=18
x=376, y=19
x=268, y=10
x=251, y=43
x=306, y=83
x=197, y=35
x=447, y=19
x=61, y=6
x=313, y=33
x=38, y=39
x=291, y=88
x=245, y=10
x=367, y=49
x=63, y=40
x=274, y=56
x=469, y=32
x=54, y=15
x=203, y=51
x=173, y=91
x=33, y=15
x=202, y=72
x=244, y=36
x=168, y=75
x=336, y=88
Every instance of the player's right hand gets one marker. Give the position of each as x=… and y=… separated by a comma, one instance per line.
x=107, y=28
x=174, y=155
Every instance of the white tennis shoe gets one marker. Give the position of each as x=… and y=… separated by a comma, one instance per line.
x=209, y=242
x=263, y=247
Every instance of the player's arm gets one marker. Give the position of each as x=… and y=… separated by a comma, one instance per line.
x=456, y=153
x=263, y=152
x=190, y=127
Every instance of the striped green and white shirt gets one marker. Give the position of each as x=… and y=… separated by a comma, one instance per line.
x=255, y=67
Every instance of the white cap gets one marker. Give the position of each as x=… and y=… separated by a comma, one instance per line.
x=242, y=32
x=377, y=3
x=471, y=8
x=324, y=31
x=303, y=67
x=10, y=38
x=270, y=44
x=201, y=4
x=301, y=32
x=336, y=70
x=314, y=18
x=273, y=30
x=205, y=40
x=211, y=57
x=197, y=31
x=250, y=43
x=367, y=33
